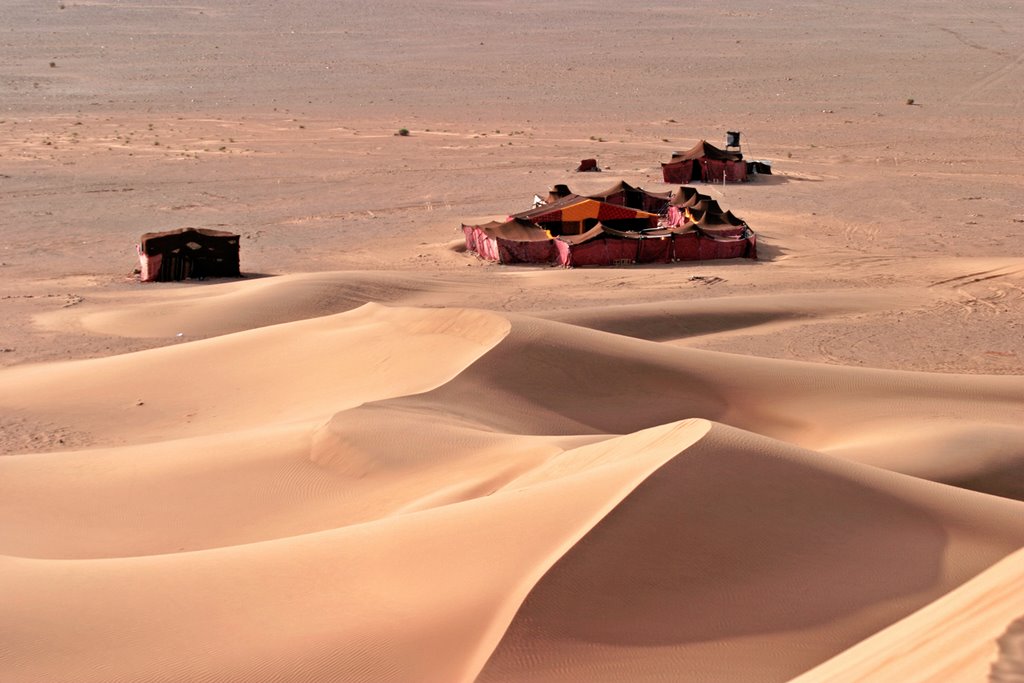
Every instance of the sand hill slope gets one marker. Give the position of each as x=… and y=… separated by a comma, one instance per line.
x=446, y=494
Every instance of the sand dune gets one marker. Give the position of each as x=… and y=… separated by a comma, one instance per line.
x=275, y=374
x=742, y=559
x=237, y=306
x=521, y=489
x=352, y=606
x=378, y=458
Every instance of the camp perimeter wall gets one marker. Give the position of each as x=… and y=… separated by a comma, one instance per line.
x=686, y=246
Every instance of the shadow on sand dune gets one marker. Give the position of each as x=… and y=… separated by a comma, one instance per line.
x=729, y=544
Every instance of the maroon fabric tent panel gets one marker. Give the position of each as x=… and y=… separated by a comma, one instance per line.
x=592, y=253
x=655, y=250
x=512, y=251
x=677, y=172
x=713, y=170
x=723, y=248
x=620, y=250
x=686, y=246
x=683, y=246
x=600, y=250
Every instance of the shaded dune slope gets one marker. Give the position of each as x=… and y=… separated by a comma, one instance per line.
x=973, y=633
x=745, y=559
x=664, y=321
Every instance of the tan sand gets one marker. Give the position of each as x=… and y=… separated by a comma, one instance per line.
x=377, y=458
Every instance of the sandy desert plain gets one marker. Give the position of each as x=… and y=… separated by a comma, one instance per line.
x=377, y=458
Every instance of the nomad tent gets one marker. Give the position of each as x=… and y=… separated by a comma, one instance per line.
x=574, y=215
x=704, y=162
x=608, y=229
x=188, y=253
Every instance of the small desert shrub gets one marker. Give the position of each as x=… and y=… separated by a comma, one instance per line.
x=910, y=100
x=404, y=132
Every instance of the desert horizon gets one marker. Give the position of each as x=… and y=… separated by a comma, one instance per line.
x=377, y=457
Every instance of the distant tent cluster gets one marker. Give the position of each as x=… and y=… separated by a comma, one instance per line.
x=188, y=253
x=622, y=225
x=704, y=162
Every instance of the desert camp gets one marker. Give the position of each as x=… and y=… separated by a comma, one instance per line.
x=611, y=228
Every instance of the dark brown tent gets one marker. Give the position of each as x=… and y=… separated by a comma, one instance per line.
x=188, y=253
x=704, y=162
